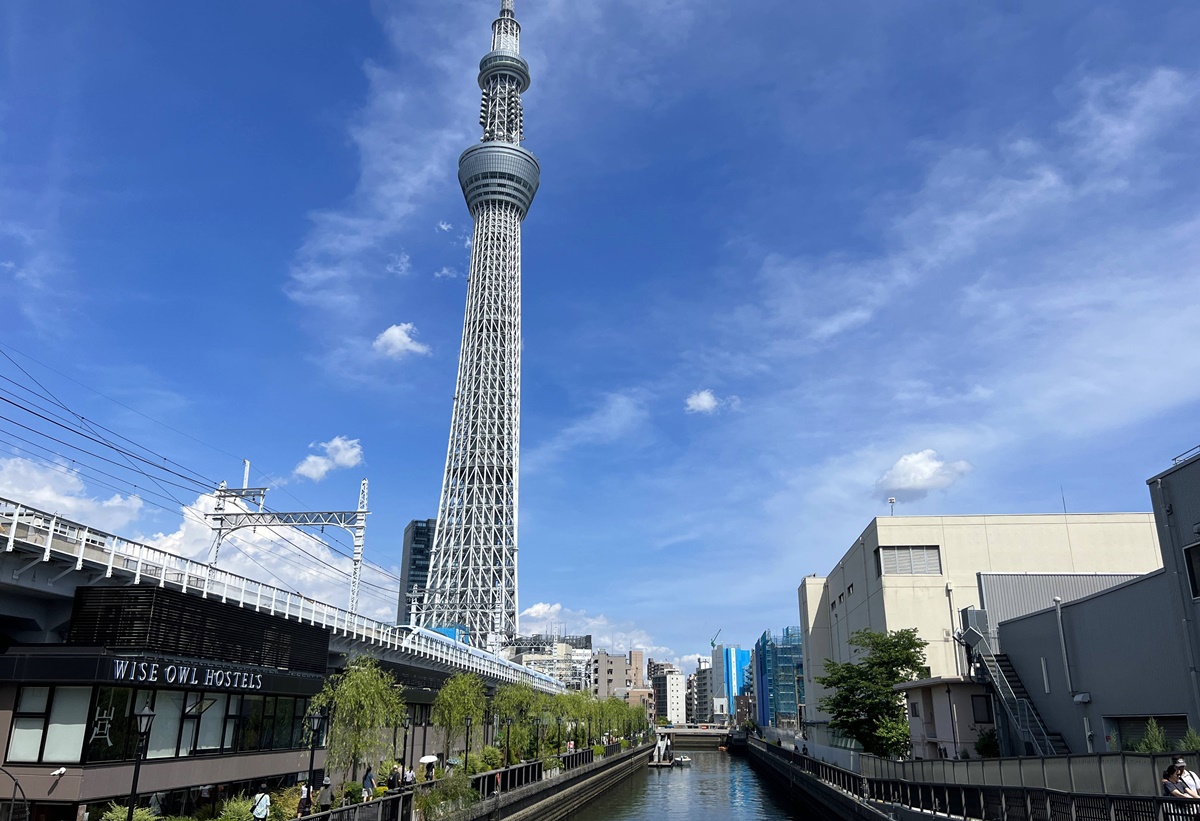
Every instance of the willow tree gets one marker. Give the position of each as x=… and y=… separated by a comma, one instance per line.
x=363, y=703
x=461, y=695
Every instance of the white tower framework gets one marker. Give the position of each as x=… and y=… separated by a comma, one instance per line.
x=473, y=565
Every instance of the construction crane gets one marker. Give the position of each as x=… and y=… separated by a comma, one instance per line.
x=713, y=641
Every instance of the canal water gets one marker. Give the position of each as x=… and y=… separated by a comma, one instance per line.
x=717, y=786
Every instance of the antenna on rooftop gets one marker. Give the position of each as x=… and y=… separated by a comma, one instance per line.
x=892, y=502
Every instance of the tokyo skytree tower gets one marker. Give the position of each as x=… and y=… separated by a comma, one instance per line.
x=473, y=565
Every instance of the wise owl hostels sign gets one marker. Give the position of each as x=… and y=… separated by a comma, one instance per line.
x=184, y=675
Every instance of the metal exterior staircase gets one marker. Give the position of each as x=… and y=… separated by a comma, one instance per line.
x=1057, y=742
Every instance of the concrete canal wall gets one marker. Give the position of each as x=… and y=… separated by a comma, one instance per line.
x=555, y=798
x=816, y=798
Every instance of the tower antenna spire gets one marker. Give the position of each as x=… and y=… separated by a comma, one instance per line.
x=472, y=587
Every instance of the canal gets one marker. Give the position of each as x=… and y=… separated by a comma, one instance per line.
x=717, y=786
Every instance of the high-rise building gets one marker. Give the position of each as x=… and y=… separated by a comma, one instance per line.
x=729, y=671
x=414, y=564
x=703, y=691
x=473, y=569
x=779, y=679
x=669, y=696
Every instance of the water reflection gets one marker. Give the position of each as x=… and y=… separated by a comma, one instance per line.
x=716, y=786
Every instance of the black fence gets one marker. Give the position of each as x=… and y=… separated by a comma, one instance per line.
x=990, y=803
x=577, y=759
x=612, y=749
x=498, y=781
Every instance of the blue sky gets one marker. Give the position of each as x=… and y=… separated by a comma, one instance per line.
x=787, y=260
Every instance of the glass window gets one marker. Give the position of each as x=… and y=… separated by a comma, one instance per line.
x=68, y=723
x=981, y=708
x=252, y=723
x=284, y=714
x=212, y=717
x=26, y=740
x=1192, y=555
x=164, y=732
x=33, y=700
x=111, y=735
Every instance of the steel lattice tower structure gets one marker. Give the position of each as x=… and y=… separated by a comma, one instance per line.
x=473, y=565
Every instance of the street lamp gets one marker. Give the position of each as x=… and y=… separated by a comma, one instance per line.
x=315, y=721
x=560, y=735
x=404, y=749
x=467, y=754
x=145, y=720
x=507, y=737
x=537, y=730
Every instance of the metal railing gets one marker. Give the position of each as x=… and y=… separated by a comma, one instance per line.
x=1024, y=716
x=47, y=536
x=989, y=802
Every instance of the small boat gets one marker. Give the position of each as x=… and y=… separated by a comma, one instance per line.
x=682, y=761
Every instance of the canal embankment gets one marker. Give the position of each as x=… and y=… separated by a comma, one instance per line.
x=829, y=801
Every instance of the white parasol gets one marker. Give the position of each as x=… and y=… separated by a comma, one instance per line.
x=427, y=759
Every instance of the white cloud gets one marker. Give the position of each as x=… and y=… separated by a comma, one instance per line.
x=60, y=489
x=399, y=264
x=619, y=636
x=444, y=226
x=398, y=341
x=340, y=452
x=445, y=273
x=702, y=401
x=915, y=474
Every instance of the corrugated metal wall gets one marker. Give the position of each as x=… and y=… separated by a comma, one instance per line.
x=1011, y=595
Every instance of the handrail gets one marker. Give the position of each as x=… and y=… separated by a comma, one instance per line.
x=1024, y=717
x=55, y=536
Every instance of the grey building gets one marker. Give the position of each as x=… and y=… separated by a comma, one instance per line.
x=1097, y=668
x=414, y=564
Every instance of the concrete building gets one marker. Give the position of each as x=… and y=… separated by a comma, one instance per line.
x=615, y=676
x=919, y=571
x=567, y=659
x=414, y=565
x=729, y=664
x=669, y=696
x=1084, y=664
x=702, y=692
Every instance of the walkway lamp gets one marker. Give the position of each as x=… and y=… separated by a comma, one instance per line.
x=560, y=735
x=467, y=754
x=315, y=722
x=145, y=720
x=537, y=730
x=507, y=738
x=404, y=749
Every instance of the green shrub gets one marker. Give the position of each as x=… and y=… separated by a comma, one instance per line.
x=624, y=743
x=117, y=812
x=352, y=792
x=1154, y=741
x=284, y=804
x=598, y=750
x=450, y=794
x=988, y=744
x=237, y=808
x=1190, y=742
x=551, y=762
x=493, y=758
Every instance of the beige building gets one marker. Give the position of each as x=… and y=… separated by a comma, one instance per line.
x=920, y=571
x=615, y=676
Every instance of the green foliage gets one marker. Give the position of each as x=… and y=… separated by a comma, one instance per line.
x=1189, y=743
x=284, y=804
x=988, y=744
x=492, y=757
x=597, y=750
x=352, y=792
x=1154, y=741
x=461, y=695
x=451, y=793
x=863, y=704
x=364, y=703
x=624, y=744
x=551, y=762
x=662, y=721
x=236, y=808
x=117, y=812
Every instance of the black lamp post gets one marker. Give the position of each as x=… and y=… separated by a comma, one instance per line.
x=467, y=754
x=560, y=735
x=145, y=720
x=507, y=738
x=405, y=747
x=537, y=731
x=315, y=722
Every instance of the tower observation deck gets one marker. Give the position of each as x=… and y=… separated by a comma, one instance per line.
x=472, y=584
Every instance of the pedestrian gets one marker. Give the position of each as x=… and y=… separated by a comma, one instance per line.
x=1189, y=778
x=261, y=807
x=305, y=805
x=368, y=784
x=393, y=779
x=410, y=777
x=429, y=771
x=325, y=796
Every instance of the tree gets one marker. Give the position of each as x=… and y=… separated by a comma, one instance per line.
x=1154, y=741
x=863, y=704
x=1190, y=742
x=461, y=695
x=363, y=702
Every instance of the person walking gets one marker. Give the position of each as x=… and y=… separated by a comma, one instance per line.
x=261, y=807
x=393, y=779
x=325, y=796
x=305, y=806
x=368, y=784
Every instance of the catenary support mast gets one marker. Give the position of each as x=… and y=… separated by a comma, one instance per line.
x=473, y=565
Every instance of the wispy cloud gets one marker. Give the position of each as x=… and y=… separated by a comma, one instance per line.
x=445, y=272
x=399, y=264
x=339, y=453
x=399, y=341
x=444, y=226
x=618, y=417
x=915, y=474
x=617, y=635
x=706, y=402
